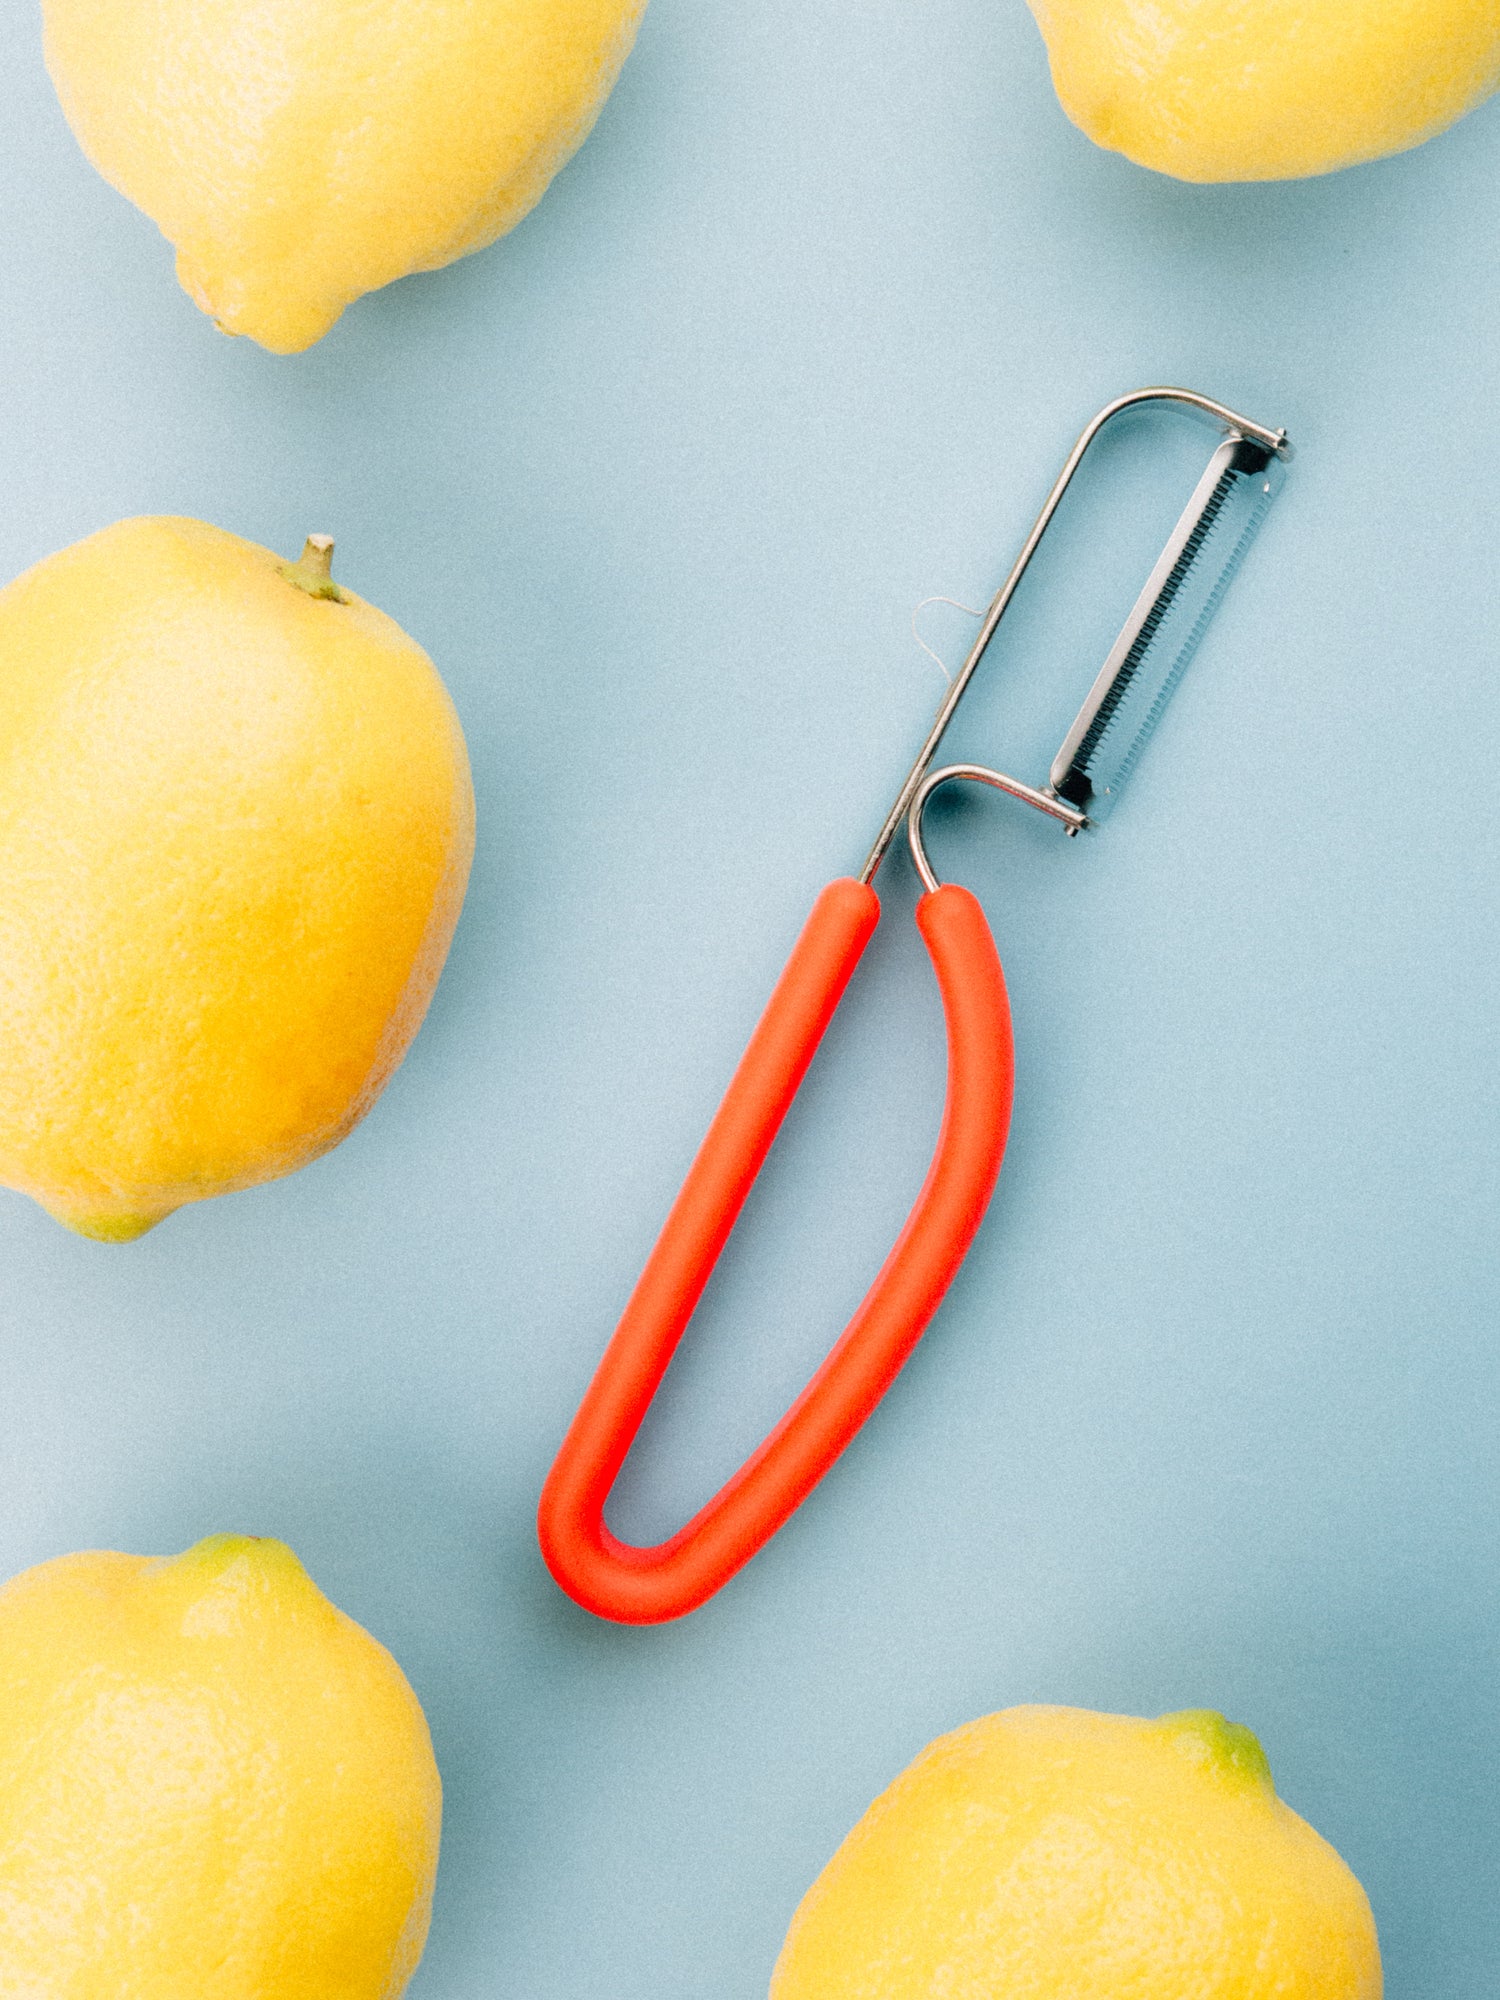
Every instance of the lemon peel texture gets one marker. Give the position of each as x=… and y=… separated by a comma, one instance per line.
x=1257, y=90
x=300, y=153
x=1056, y=1854
x=212, y=1783
x=237, y=821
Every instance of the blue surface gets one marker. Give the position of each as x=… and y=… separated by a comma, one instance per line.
x=1210, y=1417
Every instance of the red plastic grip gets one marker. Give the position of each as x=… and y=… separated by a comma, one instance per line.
x=643, y=1586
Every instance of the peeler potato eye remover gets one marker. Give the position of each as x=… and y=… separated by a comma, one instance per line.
x=648, y=1585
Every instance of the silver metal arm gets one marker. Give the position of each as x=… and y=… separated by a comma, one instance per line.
x=1235, y=427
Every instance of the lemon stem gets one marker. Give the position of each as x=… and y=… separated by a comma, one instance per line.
x=313, y=570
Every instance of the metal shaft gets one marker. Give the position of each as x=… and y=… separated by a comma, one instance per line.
x=1275, y=441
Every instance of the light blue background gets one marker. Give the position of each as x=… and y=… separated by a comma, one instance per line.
x=1210, y=1416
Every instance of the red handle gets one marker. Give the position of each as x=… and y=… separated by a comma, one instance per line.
x=644, y=1586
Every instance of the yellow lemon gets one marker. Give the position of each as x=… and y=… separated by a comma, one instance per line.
x=236, y=822
x=1264, y=90
x=213, y=1786
x=1055, y=1854
x=299, y=153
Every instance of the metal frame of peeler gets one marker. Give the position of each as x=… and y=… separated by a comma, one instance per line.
x=634, y=1585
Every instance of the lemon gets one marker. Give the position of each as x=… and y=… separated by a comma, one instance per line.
x=1055, y=1854
x=1257, y=90
x=213, y=1786
x=299, y=153
x=236, y=821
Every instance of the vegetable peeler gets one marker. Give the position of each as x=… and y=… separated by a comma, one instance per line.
x=648, y=1585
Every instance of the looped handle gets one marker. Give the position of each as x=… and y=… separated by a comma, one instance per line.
x=648, y=1585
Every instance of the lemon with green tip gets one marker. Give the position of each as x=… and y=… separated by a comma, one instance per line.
x=236, y=821
x=1058, y=1854
x=213, y=1785
x=300, y=153
x=1256, y=90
